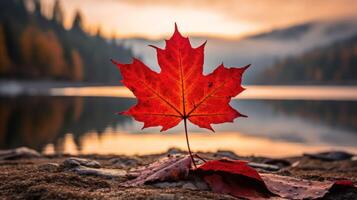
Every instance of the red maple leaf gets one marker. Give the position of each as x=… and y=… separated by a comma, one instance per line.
x=236, y=178
x=180, y=91
x=233, y=177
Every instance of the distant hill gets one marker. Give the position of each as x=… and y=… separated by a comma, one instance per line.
x=322, y=29
x=290, y=33
x=33, y=46
x=333, y=64
x=261, y=50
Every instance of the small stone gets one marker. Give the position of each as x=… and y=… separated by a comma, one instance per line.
x=124, y=162
x=173, y=151
x=227, y=154
x=266, y=167
x=76, y=162
x=18, y=153
x=49, y=167
x=189, y=186
x=295, y=164
x=330, y=155
x=281, y=163
x=106, y=173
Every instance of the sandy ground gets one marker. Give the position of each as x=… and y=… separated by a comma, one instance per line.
x=35, y=178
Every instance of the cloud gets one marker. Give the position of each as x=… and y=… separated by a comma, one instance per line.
x=267, y=12
x=228, y=18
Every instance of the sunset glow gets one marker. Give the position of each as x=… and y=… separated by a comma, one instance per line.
x=114, y=142
x=252, y=92
x=229, y=19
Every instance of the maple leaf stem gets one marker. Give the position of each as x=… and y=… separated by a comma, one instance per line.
x=188, y=143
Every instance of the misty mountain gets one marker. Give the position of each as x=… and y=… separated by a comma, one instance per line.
x=290, y=33
x=332, y=64
x=261, y=50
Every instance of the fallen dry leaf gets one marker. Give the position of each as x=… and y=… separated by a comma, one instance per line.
x=233, y=177
x=171, y=168
x=295, y=188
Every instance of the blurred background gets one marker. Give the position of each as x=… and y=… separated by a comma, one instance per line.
x=59, y=91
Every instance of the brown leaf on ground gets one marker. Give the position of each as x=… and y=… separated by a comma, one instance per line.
x=294, y=188
x=171, y=168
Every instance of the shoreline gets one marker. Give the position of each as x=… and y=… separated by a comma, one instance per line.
x=44, y=177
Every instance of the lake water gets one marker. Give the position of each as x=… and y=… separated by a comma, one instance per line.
x=282, y=121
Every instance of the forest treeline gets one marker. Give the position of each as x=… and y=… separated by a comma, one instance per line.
x=34, y=46
x=332, y=64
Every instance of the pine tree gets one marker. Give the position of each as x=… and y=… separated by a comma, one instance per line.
x=77, y=24
x=38, y=8
x=57, y=13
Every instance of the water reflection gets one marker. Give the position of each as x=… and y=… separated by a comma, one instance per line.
x=38, y=120
x=89, y=125
x=113, y=142
x=336, y=114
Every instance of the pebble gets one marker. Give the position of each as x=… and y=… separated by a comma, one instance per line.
x=295, y=164
x=106, y=173
x=75, y=162
x=264, y=166
x=173, y=151
x=123, y=163
x=330, y=155
x=83, y=166
x=227, y=154
x=18, y=153
x=49, y=167
x=189, y=186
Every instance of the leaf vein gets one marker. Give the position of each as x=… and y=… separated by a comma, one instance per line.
x=162, y=98
x=205, y=98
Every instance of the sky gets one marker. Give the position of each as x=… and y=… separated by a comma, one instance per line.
x=154, y=19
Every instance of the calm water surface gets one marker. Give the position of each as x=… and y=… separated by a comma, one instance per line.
x=282, y=121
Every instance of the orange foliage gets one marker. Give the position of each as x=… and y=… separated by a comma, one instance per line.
x=42, y=53
x=77, y=66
